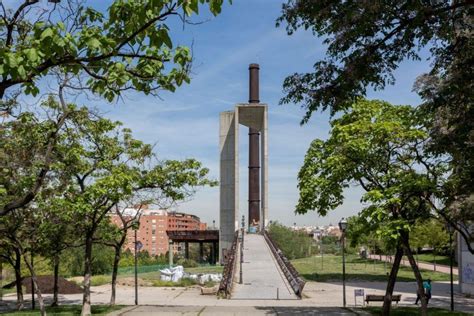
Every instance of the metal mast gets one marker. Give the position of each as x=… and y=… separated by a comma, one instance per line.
x=254, y=150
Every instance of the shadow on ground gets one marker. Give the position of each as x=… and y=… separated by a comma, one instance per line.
x=294, y=310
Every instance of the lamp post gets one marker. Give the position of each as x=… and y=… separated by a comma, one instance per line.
x=32, y=285
x=321, y=249
x=242, y=249
x=343, y=227
x=136, y=225
x=450, y=230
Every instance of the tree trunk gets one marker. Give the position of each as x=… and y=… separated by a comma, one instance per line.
x=19, y=289
x=416, y=271
x=86, y=300
x=387, y=303
x=35, y=284
x=118, y=252
x=56, y=276
x=434, y=260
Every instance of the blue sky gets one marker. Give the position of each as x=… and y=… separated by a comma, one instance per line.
x=185, y=124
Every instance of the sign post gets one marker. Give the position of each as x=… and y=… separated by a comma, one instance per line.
x=358, y=292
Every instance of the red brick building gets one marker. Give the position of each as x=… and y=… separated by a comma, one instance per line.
x=153, y=226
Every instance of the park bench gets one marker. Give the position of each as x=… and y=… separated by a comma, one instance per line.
x=379, y=298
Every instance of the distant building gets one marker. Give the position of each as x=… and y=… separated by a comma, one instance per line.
x=318, y=232
x=153, y=226
x=334, y=231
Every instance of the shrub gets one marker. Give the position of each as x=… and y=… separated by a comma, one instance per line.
x=100, y=280
x=187, y=263
x=293, y=244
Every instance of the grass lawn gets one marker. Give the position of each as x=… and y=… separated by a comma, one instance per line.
x=408, y=311
x=66, y=310
x=427, y=257
x=357, y=269
x=205, y=269
x=154, y=277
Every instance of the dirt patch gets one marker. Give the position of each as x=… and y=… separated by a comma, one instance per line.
x=131, y=282
x=46, y=284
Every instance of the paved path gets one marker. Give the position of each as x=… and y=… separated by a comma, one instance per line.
x=234, y=310
x=422, y=265
x=318, y=296
x=262, y=277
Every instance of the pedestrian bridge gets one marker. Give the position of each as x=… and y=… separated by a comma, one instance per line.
x=262, y=274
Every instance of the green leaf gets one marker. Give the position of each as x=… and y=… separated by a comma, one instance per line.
x=11, y=60
x=31, y=54
x=93, y=43
x=48, y=32
x=165, y=38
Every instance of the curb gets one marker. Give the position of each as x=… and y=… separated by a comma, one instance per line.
x=123, y=310
x=358, y=311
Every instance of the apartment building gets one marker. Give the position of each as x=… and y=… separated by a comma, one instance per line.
x=153, y=226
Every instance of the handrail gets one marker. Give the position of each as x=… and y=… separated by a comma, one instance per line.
x=225, y=285
x=293, y=277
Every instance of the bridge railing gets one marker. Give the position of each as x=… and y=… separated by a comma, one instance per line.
x=296, y=282
x=225, y=286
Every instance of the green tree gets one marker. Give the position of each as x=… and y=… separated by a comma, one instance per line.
x=116, y=236
x=9, y=252
x=128, y=46
x=366, y=42
x=26, y=145
x=430, y=233
x=293, y=244
x=107, y=166
x=31, y=139
x=379, y=147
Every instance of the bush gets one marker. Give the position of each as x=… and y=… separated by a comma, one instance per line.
x=73, y=260
x=293, y=244
x=184, y=282
x=100, y=280
x=187, y=263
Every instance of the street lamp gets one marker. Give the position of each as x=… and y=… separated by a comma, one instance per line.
x=343, y=227
x=135, y=226
x=450, y=230
x=321, y=249
x=242, y=249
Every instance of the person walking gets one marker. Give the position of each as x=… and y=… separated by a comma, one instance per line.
x=427, y=289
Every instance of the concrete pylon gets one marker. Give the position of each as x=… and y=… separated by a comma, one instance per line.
x=253, y=115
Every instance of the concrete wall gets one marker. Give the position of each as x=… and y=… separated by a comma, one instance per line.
x=229, y=180
x=254, y=116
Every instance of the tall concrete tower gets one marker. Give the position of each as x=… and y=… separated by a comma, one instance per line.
x=255, y=116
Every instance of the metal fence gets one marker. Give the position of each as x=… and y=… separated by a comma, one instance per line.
x=225, y=286
x=293, y=277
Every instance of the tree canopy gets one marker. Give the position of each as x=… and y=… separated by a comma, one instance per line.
x=382, y=148
x=366, y=42
x=127, y=47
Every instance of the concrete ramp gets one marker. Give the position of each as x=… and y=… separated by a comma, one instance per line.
x=262, y=277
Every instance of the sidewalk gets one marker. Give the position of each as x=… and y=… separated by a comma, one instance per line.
x=422, y=265
x=262, y=278
x=234, y=310
x=315, y=295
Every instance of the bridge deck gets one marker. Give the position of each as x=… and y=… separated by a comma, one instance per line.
x=261, y=274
